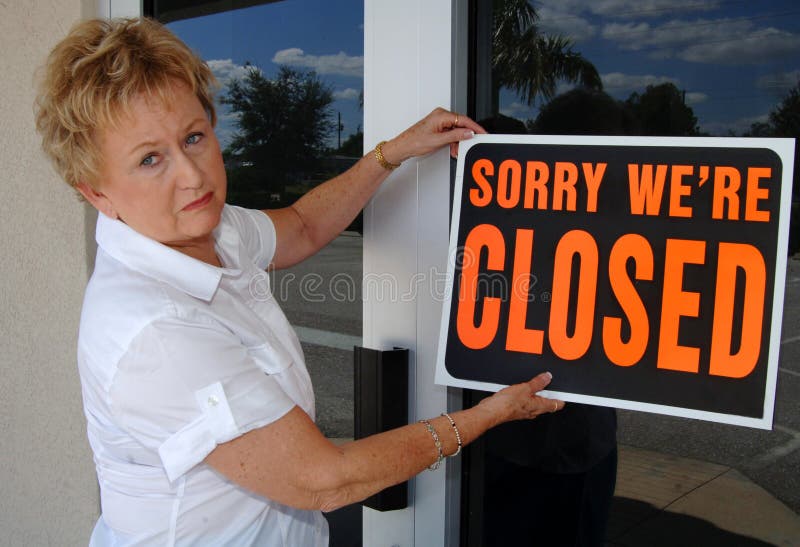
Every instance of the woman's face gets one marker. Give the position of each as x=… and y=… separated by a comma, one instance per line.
x=162, y=172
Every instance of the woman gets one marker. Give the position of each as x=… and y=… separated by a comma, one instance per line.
x=199, y=406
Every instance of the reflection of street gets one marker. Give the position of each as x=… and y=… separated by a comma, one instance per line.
x=322, y=299
x=332, y=321
x=324, y=292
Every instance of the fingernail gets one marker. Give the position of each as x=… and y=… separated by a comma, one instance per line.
x=549, y=376
x=469, y=134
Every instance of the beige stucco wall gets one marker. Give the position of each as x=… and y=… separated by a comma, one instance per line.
x=49, y=491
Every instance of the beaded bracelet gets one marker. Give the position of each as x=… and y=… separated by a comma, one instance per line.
x=437, y=442
x=455, y=430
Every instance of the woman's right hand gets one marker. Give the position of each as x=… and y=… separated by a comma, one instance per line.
x=520, y=401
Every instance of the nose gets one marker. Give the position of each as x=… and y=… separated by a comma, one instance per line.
x=188, y=173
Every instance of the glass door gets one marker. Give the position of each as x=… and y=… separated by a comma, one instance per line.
x=289, y=106
x=413, y=61
x=660, y=68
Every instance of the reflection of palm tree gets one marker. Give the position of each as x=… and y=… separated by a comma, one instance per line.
x=527, y=61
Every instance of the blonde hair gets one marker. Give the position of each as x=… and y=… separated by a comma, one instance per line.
x=92, y=75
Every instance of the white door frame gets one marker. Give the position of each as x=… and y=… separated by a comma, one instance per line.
x=409, y=69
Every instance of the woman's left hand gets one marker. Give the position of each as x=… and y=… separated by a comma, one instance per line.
x=435, y=130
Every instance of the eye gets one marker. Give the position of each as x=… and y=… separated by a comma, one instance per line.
x=194, y=138
x=149, y=160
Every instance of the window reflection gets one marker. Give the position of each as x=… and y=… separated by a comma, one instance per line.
x=731, y=63
x=618, y=67
x=290, y=117
x=677, y=67
x=291, y=75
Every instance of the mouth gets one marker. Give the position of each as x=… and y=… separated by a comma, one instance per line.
x=199, y=203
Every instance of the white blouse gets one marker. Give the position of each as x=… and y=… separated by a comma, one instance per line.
x=175, y=357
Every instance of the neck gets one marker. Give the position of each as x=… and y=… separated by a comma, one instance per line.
x=202, y=250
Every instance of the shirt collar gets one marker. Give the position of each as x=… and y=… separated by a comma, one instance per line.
x=156, y=260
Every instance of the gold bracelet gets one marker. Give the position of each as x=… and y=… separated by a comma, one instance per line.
x=383, y=161
x=435, y=465
x=455, y=430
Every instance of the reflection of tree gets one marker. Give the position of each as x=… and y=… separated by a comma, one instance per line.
x=785, y=119
x=661, y=110
x=758, y=129
x=585, y=112
x=785, y=122
x=529, y=62
x=282, y=127
x=353, y=146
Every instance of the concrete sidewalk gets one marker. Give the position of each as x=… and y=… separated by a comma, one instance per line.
x=664, y=500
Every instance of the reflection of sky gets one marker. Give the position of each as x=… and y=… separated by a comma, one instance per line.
x=318, y=35
x=735, y=59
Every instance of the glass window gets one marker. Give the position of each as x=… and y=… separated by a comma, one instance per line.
x=290, y=117
x=627, y=67
x=683, y=67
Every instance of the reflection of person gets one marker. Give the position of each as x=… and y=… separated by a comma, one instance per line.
x=550, y=481
x=199, y=406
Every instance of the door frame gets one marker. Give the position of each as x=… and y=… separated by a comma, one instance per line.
x=415, y=59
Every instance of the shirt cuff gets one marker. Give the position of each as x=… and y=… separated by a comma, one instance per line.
x=221, y=420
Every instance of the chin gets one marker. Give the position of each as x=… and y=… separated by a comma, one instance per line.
x=199, y=226
x=207, y=223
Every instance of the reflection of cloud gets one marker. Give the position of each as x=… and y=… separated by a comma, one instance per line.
x=617, y=81
x=225, y=70
x=517, y=110
x=226, y=126
x=348, y=94
x=780, y=83
x=564, y=86
x=695, y=97
x=341, y=63
x=562, y=16
x=622, y=32
x=224, y=135
x=228, y=117
x=556, y=21
x=732, y=41
x=754, y=47
x=629, y=8
x=736, y=127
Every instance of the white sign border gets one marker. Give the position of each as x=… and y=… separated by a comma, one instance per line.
x=784, y=148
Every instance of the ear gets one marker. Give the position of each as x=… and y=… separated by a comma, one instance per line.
x=98, y=199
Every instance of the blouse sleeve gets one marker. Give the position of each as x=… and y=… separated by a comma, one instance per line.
x=184, y=387
x=257, y=233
